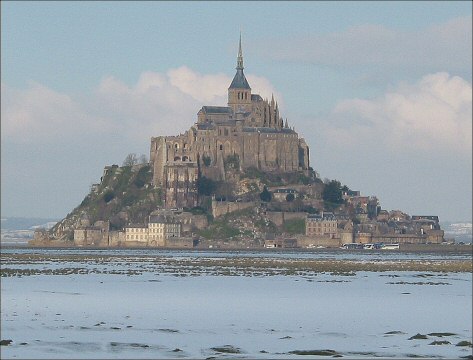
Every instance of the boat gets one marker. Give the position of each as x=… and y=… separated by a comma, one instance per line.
x=352, y=246
x=390, y=247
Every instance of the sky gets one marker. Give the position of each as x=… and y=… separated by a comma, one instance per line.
x=380, y=91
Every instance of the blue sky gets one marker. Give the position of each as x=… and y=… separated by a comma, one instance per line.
x=381, y=91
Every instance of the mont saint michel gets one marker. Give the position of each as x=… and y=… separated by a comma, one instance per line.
x=173, y=188
x=239, y=177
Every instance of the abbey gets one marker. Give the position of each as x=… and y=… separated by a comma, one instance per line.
x=249, y=132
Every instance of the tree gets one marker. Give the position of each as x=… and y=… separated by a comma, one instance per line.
x=290, y=197
x=130, y=160
x=108, y=196
x=205, y=186
x=143, y=159
x=265, y=195
x=333, y=192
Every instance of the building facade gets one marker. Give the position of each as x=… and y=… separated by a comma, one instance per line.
x=320, y=225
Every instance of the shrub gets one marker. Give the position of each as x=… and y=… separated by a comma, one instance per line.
x=232, y=162
x=206, y=160
x=265, y=195
x=205, y=186
x=108, y=196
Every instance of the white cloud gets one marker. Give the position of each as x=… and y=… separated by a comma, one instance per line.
x=157, y=104
x=203, y=88
x=446, y=46
x=433, y=114
x=36, y=112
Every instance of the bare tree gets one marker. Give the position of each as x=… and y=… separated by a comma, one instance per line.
x=143, y=159
x=130, y=160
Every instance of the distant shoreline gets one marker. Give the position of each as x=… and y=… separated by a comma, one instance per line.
x=404, y=248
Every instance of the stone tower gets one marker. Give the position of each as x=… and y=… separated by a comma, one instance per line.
x=239, y=92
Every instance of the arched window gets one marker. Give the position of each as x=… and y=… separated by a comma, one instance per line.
x=221, y=147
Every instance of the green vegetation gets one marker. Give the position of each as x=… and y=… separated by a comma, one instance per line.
x=108, y=196
x=206, y=160
x=143, y=177
x=294, y=226
x=123, y=195
x=232, y=162
x=219, y=230
x=332, y=194
x=265, y=196
x=206, y=186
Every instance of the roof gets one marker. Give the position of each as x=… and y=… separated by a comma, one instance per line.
x=216, y=109
x=205, y=126
x=287, y=191
x=136, y=226
x=239, y=81
x=226, y=122
x=256, y=97
x=268, y=130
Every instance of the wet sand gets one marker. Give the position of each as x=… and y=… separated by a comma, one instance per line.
x=15, y=264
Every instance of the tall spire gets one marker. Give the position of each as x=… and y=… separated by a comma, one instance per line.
x=240, y=57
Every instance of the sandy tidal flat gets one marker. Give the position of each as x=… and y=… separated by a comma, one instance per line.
x=112, y=304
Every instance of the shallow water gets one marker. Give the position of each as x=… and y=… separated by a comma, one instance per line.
x=136, y=306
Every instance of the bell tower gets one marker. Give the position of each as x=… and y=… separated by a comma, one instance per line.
x=239, y=92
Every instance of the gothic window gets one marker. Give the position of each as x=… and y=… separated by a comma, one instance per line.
x=245, y=96
x=221, y=147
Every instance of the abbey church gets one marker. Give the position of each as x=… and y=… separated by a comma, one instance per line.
x=249, y=131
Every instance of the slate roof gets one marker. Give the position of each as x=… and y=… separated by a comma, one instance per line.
x=268, y=130
x=206, y=126
x=217, y=109
x=239, y=81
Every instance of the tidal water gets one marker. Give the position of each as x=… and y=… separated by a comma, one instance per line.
x=141, y=304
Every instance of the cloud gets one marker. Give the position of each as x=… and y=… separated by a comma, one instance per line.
x=434, y=114
x=446, y=46
x=157, y=104
x=37, y=112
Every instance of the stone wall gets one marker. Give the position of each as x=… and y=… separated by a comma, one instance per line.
x=181, y=242
x=220, y=208
x=314, y=241
x=279, y=217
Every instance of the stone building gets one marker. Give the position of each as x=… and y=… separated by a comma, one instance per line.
x=249, y=131
x=137, y=233
x=320, y=225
